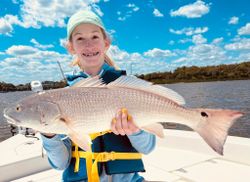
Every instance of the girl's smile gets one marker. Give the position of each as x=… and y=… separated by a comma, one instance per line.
x=90, y=54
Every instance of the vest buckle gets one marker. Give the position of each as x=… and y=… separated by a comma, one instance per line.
x=107, y=156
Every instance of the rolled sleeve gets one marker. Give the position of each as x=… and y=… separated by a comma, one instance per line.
x=58, y=151
x=143, y=141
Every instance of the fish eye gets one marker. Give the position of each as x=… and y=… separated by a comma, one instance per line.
x=18, y=108
x=203, y=114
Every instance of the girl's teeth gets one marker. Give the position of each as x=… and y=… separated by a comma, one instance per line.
x=93, y=54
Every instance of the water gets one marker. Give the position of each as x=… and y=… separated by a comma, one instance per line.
x=7, y=99
x=221, y=94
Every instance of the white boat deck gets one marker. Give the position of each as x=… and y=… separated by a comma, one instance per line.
x=181, y=156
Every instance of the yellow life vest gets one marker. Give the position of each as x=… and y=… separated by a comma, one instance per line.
x=92, y=158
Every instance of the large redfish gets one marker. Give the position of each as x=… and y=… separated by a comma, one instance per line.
x=89, y=107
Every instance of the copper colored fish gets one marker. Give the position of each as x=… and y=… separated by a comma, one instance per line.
x=90, y=105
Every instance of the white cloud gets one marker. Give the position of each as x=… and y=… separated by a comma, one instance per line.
x=217, y=40
x=52, y=13
x=244, y=57
x=141, y=63
x=157, y=13
x=46, y=56
x=158, y=53
x=199, y=39
x=180, y=60
x=117, y=54
x=29, y=63
x=63, y=42
x=38, y=45
x=26, y=63
x=244, y=30
x=195, y=10
x=189, y=31
x=133, y=7
x=21, y=50
x=97, y=9
x=24, y=71
x=239, y=45
x=183, y=41
x=125, y=60
x=111, y=33
x=122, y=18
x=5, y=27
x=12, y=19
x=46, y=13
x=31, y=53
x=233, y=20
x=136, y=9
x=6, y=24
x=203, y=54
x=15, y=1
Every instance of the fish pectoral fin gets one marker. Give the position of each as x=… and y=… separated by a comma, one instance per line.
x=156, y=129
x=82, y=140
x=61, y=124
x=62, y=118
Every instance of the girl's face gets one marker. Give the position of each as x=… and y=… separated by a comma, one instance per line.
x=90, y=46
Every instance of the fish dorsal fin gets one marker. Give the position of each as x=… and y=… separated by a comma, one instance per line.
x=90, y=82
x=136, y=83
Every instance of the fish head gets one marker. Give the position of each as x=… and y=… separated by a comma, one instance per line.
x=35, y=113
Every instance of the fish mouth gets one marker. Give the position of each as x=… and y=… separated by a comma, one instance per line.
x=89, y=55
x=10, y=119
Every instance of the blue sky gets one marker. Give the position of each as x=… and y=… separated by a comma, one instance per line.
x=149, y=36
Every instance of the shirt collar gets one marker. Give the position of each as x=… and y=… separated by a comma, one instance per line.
x=103, y=69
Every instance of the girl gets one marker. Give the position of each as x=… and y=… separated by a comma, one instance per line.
x=116, y=153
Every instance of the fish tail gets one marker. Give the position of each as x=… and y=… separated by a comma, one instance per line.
x=215, y=129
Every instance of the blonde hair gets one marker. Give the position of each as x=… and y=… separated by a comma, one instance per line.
x=107, y=59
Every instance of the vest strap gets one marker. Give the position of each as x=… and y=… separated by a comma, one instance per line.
x=97, y=134
x=92, y=167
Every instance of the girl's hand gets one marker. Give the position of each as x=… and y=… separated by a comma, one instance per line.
x=123, y=123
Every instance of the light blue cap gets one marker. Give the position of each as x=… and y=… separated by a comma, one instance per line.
x=83, y=17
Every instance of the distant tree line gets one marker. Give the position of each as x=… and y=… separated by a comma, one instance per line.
x=239, y=71
x=7, y=87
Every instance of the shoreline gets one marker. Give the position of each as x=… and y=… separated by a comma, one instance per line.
x=162, y=82
x=194, y=81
